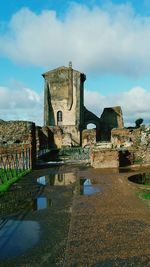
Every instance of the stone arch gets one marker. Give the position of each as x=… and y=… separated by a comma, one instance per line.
x=91, y=125
x=90, y=117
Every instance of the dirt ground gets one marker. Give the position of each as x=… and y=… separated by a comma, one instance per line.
x=105, y=229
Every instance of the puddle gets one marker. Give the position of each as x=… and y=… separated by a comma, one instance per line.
x=42, y=180
x=140, y=178
x=16, y=204
x=33, y=197
x=17, y=236
x=41, y=202
x=87, y=188
x=57, y=179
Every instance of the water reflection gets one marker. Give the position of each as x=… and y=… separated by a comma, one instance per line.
x=140, y=178
x=15, y=204
x=42, y=180
x=17, y=236
x=57, y=179
x=41, y=202
x=87, y=188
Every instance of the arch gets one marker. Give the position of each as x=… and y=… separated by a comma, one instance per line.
x=59, y=117
x=90, y=118
x=97, y=127
x=91, y=125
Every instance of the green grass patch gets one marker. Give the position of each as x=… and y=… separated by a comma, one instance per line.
x=14, y=176
x=147, y=184
x=143, y=195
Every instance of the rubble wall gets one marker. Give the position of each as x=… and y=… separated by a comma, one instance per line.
x=17, y=133
x=104, y=158
x=136, y=140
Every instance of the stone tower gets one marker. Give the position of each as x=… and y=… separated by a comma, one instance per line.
x=63, y=101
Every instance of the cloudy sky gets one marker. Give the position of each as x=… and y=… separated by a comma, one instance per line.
x=107, y=40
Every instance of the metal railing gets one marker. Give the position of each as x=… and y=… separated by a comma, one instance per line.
x=14, y=160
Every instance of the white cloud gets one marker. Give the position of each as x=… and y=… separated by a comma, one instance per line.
x=25, y=104
x=111, y=39
x=21, y=104
x=134, y=104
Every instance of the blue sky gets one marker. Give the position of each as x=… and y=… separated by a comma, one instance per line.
x=107, y=40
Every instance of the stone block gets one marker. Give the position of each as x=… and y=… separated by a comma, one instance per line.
x=66, y=140
x=88, y=137
x=121, y=138
x=107, y=158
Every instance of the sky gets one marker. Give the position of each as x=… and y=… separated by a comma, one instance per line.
x=109, y=41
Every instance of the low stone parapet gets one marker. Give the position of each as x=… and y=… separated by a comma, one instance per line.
x=104, y=158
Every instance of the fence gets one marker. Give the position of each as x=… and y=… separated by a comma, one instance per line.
x=14, y=160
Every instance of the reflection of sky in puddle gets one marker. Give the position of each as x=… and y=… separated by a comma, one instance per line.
x=88, y=188
x=17, y=236
x=42, y=202
x=42, y=180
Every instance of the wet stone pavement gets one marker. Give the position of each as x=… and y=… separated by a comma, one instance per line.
x=74, y=216
x=34, y=219
x=109, y=228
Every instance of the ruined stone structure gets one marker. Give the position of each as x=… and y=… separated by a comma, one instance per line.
x=17, y=132
x=110, y=118
x=88, y=137
x=63, y=101
x=64, y=111
x=136, y=141
x=104, y=158
x=108, y=145
x=14, y=134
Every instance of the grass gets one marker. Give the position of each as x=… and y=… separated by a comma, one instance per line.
x=13, y=177
x=147, y=184
x=144, y=195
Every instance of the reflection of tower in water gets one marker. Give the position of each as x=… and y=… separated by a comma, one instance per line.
x=60, y=179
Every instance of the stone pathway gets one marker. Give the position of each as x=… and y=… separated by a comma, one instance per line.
x=110, y=228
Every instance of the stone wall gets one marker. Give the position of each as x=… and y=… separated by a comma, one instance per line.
x=122, y=137
x=136, y=140
x=52, y=138
x=74, y=153
x=88, y=137
x=104, y=158
x=110, y=118
x=43, y=137
x=17, y=133
x=141, y=145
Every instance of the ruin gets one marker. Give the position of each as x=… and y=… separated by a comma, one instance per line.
x=18, y=134
x=107, y=145
x=65, y=114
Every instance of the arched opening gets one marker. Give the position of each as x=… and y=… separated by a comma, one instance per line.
x=60, y=178
x=91, y=126
x=59, y=117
